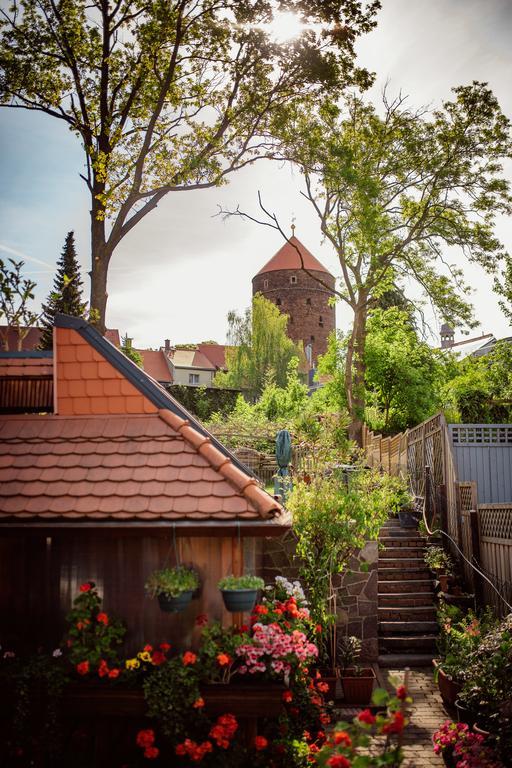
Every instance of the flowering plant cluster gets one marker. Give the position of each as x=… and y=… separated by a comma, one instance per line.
x=273, y=650
x=467, y=748
x=93, y=635
x=347, y=744
x=460, y=635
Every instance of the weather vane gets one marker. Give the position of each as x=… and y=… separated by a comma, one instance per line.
x=293, y=225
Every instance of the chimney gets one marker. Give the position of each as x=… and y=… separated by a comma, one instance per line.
x=129, y=342
x=167, y=345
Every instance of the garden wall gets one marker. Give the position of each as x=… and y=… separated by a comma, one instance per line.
x=357, y=588
x=204, y=401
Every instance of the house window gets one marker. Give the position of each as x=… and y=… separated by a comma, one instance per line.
x=321, y=322
x=308, y=302
x=265, y=283
x=278, y=302
x=193, y=378
x=293, y=279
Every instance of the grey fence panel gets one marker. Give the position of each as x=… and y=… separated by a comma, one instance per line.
x=483, y=453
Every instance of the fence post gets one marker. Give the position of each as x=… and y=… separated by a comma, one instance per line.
x=428, y=498
x=475, y=550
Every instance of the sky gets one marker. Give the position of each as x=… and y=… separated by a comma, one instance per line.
x=180, y=271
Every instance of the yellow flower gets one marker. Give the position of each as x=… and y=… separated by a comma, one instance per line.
x=132, y=664
x=144, y=656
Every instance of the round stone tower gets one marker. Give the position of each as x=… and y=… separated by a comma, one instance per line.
x=285, y=281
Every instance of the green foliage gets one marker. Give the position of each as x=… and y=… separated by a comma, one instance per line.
x=130, y=352
x=348, y=651
x=260, y=350
x=459, y=635
x=16, y=293
x=172, y=582
x=203, y=402
x=438, y=560
x=170, y=692
x=66, y=297
x=402, y=373
x=247, y=581
x=92, y=634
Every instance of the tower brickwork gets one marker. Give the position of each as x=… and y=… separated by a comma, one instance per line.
x=299, y=295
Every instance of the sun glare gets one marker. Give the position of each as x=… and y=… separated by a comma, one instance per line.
x=285, y=26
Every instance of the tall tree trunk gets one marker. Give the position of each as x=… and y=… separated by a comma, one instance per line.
x=100, y=254
x=355, y=371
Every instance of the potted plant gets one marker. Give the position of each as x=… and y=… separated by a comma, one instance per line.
x=173, y=587
x=357, y=682
x=239, y=592
x=441, y=564
x=402, y=505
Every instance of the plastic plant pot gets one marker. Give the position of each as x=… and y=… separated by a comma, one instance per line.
x=175, y=604
x=239, y=600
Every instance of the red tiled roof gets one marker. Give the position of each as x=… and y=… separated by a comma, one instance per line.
x=288, y=258
x=216, y=354
x=26, y=366
x=112, y=335
x=155, y=365
x=121, y=467
x=29, y=342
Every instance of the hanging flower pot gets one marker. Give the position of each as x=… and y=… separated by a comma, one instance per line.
x=173, y=587
x=239, y=592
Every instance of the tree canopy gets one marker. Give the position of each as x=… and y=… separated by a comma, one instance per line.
x=169, y=95
x=259, y=349
x=397, y=192
x=16, y=295
x=66, y=297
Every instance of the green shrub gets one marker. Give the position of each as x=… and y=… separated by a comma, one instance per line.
x=172, y=581
x=232, y=583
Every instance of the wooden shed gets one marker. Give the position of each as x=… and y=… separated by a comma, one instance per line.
x=113, y=481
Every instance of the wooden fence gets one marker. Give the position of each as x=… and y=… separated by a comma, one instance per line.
x=483, y=532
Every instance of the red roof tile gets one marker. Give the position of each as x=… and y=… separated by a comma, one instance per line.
x=216, y=354
x=26, y=366
x=288, y=258
x=155, y=365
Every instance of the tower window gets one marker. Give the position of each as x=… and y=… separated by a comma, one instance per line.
x=278, y=302
x=321, y=322
x=293, y=279
x=291, y=319
x=312, y=338
x=308, y=302
x=265, y=283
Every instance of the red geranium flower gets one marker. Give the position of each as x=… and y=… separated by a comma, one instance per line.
x=165, y=647
x=148, y=648
x=82, y=668
x=396, y=724
x=103, y=668
x=338, y=761
x=86, y=586
x=260, y=742
x=201, y=620
x=113, y=673
x=322, y=687
x=325, y=718
x=145, y=738
x=401, y=692
x=287, y=696
x=151, y=752
x=261, y=610
x=102, y=618
x=189, y=658
x=342, y=737
x=157, y=657
x=198, y=703
x=366, y=717
x=223, y=659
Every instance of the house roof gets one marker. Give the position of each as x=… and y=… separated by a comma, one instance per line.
x=288, y=258
x=191, y=358
x=155, y=365
x=120, y=449
x=469, y=347
x=216, y=354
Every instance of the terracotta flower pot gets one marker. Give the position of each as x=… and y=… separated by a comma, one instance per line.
x=448, y=687
x=443, y=581
x=357, y=688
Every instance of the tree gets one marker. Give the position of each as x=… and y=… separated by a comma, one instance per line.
x=392, y=191
x=260, y=348
x=169, y=95
x=131, y=353
x=403, y=375
x=16, y=293
x=66, y=297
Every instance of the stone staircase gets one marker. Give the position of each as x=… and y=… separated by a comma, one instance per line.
x=406, y=608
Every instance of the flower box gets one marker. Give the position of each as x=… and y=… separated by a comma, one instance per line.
x=243, y=700
x=357, y=687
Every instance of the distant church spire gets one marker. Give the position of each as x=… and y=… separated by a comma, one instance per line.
x=293, y=226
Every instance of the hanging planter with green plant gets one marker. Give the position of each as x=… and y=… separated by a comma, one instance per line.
x=173, y=587
x=239, y=592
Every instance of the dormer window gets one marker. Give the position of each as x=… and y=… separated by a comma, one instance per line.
x=293, y=279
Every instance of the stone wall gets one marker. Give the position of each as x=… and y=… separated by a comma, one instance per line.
x=357, y=588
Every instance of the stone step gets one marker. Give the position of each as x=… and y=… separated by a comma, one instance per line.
x=407, y=644
x=410, y=627
x=405, y=586
x=399, y=574
x=406, y=613
x=401, y=541
x=406, y=599
x=401, y=660
x=394, y=552
x=402, y=562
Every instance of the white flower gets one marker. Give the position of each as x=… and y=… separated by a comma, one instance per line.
x=57, y=652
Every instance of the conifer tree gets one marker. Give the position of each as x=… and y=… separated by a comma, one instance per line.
x=66, y=297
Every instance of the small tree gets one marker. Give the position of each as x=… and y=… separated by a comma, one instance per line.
x=66, y=297
x=259, y=347
x=131, y=353
x=16, y=293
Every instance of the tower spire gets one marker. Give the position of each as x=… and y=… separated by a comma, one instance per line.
x=293, y=226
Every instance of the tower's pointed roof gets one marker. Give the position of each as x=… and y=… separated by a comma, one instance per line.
x=288, y=258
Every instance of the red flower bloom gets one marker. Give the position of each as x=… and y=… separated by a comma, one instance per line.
x=396, y=724
x=102, y=618
x=145, y=738
x=244, y=628
x=261, y=610
x=260, y=742
x=342, y=737
x=82, y=668
x=338, y=761
x=325, y=718
x=151, y=752
x=401, y=692
x=198, y=703
x=157, y=657
x=201, y=620
x=165, y=647
x=86, y=586
x=103, y=668
x=80, y=625
x=318, y=629
x=287, y=696
x=366, y=717
x=322, y=687
x=189, y=658
x=113, y=673
x=223, y=659
x=148, y=648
